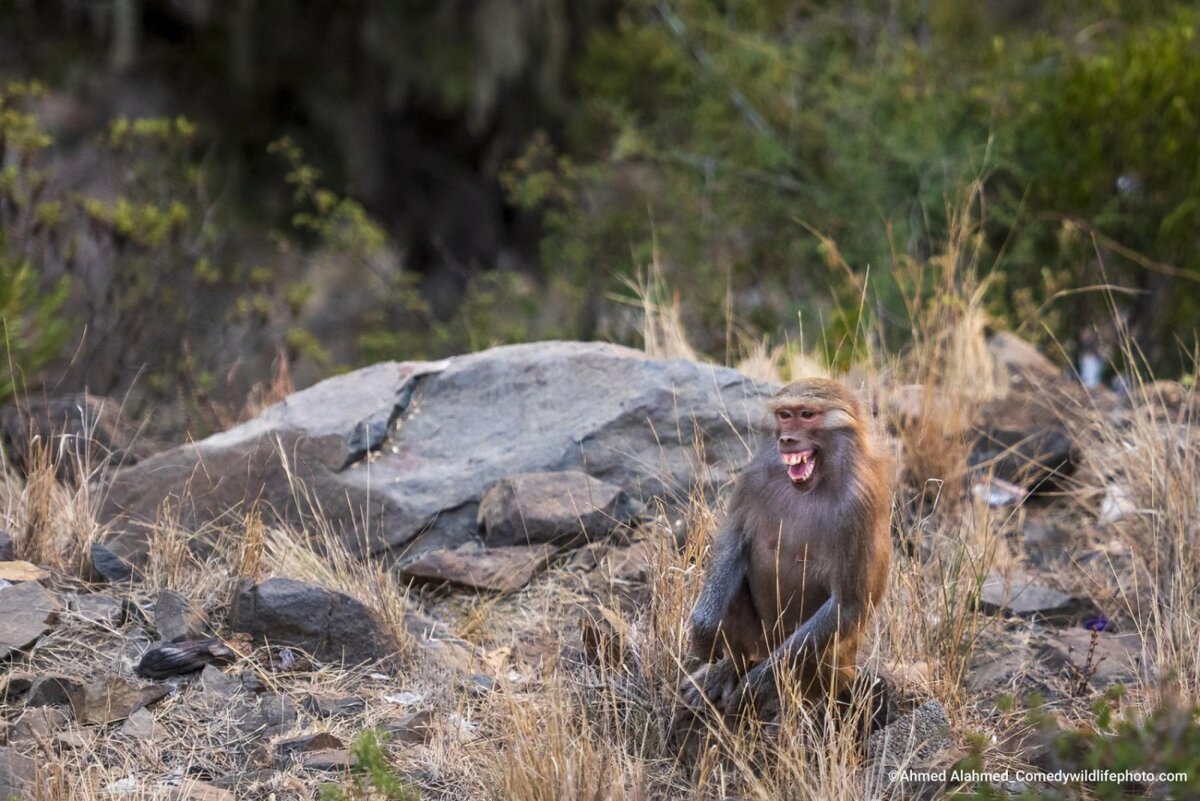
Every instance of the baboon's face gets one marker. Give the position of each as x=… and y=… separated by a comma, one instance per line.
x=808, y=431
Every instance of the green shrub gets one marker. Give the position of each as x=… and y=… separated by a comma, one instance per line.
x=372, y=776
x=33, y=327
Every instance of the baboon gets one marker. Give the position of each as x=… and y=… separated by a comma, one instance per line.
x=800, y=560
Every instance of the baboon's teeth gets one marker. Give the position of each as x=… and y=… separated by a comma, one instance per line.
x=796, y=458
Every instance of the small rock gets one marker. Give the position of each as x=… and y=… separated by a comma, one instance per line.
x=17, y=772
x=336, y=759
x=75, y=739
x=56, y=691
x=251, y=682
x=107, y=564
x=320, y=707
x=1000, y=670
x=479, y=685
x=27, y=611
x=179, y=658
x=115, y=699
x=17, y=571
x=414, y=727
x=277, y=710
x=216, y=683
x=631, y=564
x=98, y=608
x=38, y=724
x=588, y=557
x=330, y=625
x=453, y=655
x=139, y=725
x=564, y=508
x=1044, y=537
x=1017, y=594
x=16, y=686
x=505, y=569
x=306, y=743
x=7, y=549
x=177, y=618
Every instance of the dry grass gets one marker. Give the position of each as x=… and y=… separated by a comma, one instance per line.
x=1145, y=465
x=49, y=510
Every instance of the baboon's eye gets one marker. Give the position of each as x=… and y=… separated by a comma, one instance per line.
x=807, y=414
x=785, y=414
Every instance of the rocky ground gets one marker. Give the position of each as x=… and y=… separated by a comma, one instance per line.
x=490, y=560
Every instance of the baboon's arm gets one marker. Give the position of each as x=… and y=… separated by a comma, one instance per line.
x=725, y=577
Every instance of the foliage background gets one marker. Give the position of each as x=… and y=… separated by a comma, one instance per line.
x=193, y=196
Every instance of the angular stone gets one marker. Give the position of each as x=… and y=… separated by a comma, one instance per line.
x=1000, y=670
x=113, y=561
x=564, y=508
x=631, y=564
x=332, y=760
x=38, y=724
x=177, y=618
x=98, y=608
x=330, y=625
x=114, y=699
x=27, y=611
x=216, y=683
x=18, y=570
x=1016, y=594
x=277, y=711
x=56, y=691
x=505, y=569
x=17, y=685
x=639, y=429
x=17, y=773
x=75, y=739
x=139, y=725
x=320, y=707
x=414, y=727
x=305, y=743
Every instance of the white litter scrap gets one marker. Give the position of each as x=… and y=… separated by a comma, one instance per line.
x=406, y=698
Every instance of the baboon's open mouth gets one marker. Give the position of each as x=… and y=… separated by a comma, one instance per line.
x=800, y=465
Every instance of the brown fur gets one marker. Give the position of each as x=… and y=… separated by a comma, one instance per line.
x=797, y=568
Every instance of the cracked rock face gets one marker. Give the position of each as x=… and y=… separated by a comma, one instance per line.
x=403, y=451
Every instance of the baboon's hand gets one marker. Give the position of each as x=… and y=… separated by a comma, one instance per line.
x=757, y=692
x=713, y=683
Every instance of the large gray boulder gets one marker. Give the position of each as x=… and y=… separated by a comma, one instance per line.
x=401, y=452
